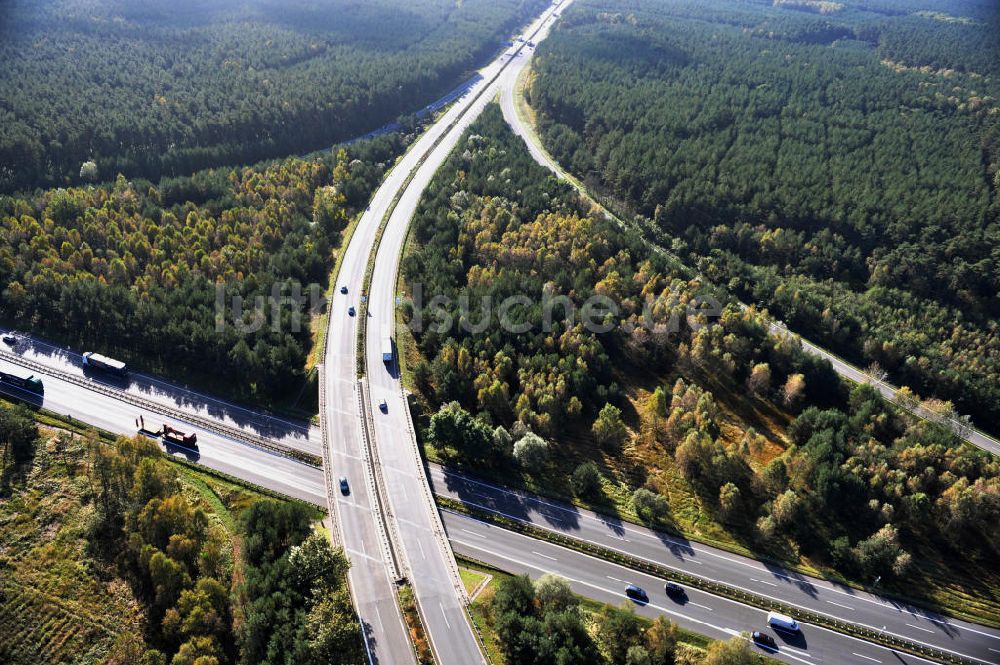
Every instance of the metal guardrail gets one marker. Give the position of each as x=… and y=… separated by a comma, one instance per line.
x=388, y=529
x=438, y=526
x=707, y=584
x=332, y=508
x=164, y=410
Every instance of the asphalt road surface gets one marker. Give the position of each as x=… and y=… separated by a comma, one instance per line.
x=703, y=613
x=424, y=553
x=764, y=579
x=299, y=435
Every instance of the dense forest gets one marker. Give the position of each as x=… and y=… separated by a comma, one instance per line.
x=847, y=479
x=135, y=270
x=195, y=85
x=840, y=168
x=290, y=588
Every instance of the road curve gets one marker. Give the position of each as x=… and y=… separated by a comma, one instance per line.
x=425, y=550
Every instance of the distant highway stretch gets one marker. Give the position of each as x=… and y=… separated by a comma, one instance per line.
x=516, y=553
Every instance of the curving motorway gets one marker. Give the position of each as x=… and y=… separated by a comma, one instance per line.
x=397, y=515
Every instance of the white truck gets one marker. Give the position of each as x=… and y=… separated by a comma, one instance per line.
x=387, y=354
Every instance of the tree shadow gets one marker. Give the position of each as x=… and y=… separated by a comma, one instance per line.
x=368, y=635
x=798, y=580
x=511, y=503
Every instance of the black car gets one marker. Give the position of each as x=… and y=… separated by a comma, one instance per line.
x=343, y=289
x=636, y=593
x=10, y=339
x=351, y=311
x=763, y=639
x=674, y=590
x=344, y=487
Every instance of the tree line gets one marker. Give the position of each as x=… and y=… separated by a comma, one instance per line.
x=290, y=595
x=234, y=83
x=135, y=270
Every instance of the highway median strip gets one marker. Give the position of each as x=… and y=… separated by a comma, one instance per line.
x=704, y=584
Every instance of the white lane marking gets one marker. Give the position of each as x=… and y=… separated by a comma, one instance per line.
x=379, y=616
x=876, y=660
x=926, y=630
x=754, y=579
x=615, y=579
x=421, y=548
x=551, y=558
x=993, y=650
x=818, y=627
x=704, y=607
x=665, y=610
x=846, y=607
x=445, y=615
x=473, y=533
x=995, y=636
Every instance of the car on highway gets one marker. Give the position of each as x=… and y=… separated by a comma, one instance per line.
x=345, y=489
x=383, y=406
x=782, y=622
x=674, y=590
x=10, y=339
x=351, y=311
x=636, y=593
x=763, y=639
x=343, y=289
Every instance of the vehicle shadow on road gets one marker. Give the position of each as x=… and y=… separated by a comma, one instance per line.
x=796, y=639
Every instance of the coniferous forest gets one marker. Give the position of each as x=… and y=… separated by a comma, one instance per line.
x=193, y=86
x=834, y=162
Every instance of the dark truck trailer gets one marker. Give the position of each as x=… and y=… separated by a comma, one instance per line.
x=179, y=438
x=28, y=383
x=103, y=363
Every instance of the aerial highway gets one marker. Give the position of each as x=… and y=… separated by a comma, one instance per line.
x=390, y=510
x=763, y=579
x=387, y=521
x=516, y=553
x=424, y=546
